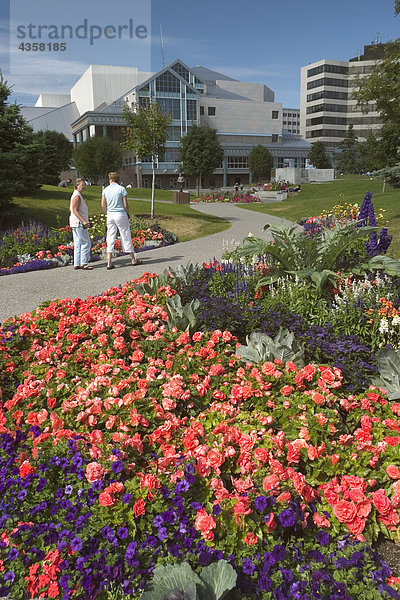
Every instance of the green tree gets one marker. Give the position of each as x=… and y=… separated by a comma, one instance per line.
x=318, y=156
x=382, y=86
x=146, y=135
x=55, y=155
x=19, y=168
x=260, y=162
x=390, y=174
x=350, y=159
x=201, y=152
x=96, y=157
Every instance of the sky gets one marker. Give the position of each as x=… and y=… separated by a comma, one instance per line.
x=260, y=41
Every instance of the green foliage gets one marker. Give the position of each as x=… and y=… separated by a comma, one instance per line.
x=180, y=582
x=55, y=154
x=391, y=174
x=350, y=160
x=201, y=152
x=182, y=317
x=19, y=167
x=96, y=157
x=382, y=86
x=261, y=348
x=146, y=135
x=389, y=371
x=304, y=256
x=318, y=156
x=260, y=162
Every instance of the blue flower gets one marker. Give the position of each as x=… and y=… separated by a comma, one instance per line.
x=287, y=518
x=260, y=503
x=122, y=532
x=323, y=538
x=117, y=466
x=248, y=566
x=76, y=544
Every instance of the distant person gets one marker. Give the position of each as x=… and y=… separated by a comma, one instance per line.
x=236, y=187
x=114, y=203
x=64, y=183
x=79, y=222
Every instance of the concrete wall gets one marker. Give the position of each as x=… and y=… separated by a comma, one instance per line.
x=297, y=176
x=53, y=100
x=103, y=83
x=243, y=116
x=254, y=91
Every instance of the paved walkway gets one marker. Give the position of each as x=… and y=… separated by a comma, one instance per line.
x=26, y=291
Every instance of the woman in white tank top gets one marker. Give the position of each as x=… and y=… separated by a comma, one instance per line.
x=79, y=222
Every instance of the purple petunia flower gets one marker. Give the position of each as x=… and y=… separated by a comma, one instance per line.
x=126, y=498
x=323, y=538
x=162, y=533
x=260, y=503
x=122, y=533
x=287, y=518
x=117, y=466
x=76, y=544
x=248, y=566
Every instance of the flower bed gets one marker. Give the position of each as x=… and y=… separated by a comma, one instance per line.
x=235, y=197
x=36, y=247
x=126, y=444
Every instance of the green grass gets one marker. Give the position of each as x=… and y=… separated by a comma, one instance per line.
x=317, y=197
x=50, y=205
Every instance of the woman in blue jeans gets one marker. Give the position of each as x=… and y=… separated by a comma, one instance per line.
x=79, y=222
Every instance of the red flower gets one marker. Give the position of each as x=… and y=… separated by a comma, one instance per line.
x=345, y=511
x=251, y=539
x=381, y=502
x=94, y=472
x=106, y=499
x=205, y=524
x=393, y=471
x=139, y=508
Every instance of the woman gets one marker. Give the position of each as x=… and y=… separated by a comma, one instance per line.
x=79, y=222
x=115, y=205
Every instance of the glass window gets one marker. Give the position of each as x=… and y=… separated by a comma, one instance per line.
x=327, y=69
x=191, y=109
x=274, y=137
x=170, y=106
x=167, y=82
x=180, y=69
x=238, y=162
x=275, y=114
x=201, y=110
x=327, y=81
x=211, y=111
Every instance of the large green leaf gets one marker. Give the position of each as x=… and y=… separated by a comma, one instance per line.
x=262, y=348
x=218, y=579
x=172, y=577
x=389, y=371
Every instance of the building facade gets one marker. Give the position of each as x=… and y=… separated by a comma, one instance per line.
x=244, y=115
x=327, y=106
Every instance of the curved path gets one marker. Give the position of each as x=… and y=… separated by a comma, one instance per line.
x=24, y=292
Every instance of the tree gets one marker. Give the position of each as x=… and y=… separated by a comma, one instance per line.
x=55, y=155
x=201, y=152
x=96, y=157
x=318, y=156
x=350, y=160
x=19, y=168
x=390, y=174
x=146, y=135
x=382, y=86
x=260, y=162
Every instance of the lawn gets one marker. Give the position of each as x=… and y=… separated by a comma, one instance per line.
x=317, y=197
x=50, y=205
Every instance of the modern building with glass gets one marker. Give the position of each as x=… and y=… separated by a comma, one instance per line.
x=243, y=114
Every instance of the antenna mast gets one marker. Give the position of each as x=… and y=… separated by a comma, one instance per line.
x=162, y=47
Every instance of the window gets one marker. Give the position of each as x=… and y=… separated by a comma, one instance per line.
x=180, y=69
x=275, y=114
x=167, y=83
x=327, y=69
x=170, y=106
x=274, y=137
x=211, y=111
x=238, y=162
x=327, y=81
x=327, y=94
x=201, y=110
x=326, y=107
x=191, y=109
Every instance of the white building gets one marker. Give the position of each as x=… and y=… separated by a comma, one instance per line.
x=244, y=115
x=327, y=106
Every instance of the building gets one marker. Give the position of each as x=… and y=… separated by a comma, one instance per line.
x=291, y=120
x=327, y=106
x=244, y=114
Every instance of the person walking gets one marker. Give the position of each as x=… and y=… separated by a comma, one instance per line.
x=79, y=222
x=114, y=203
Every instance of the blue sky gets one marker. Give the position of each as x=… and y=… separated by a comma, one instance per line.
x=258, y=40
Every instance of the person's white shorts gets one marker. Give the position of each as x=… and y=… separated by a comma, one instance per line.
x=119, y=222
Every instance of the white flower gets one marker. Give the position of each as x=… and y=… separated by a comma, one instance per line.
x=396, y=320
x=384, y=325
